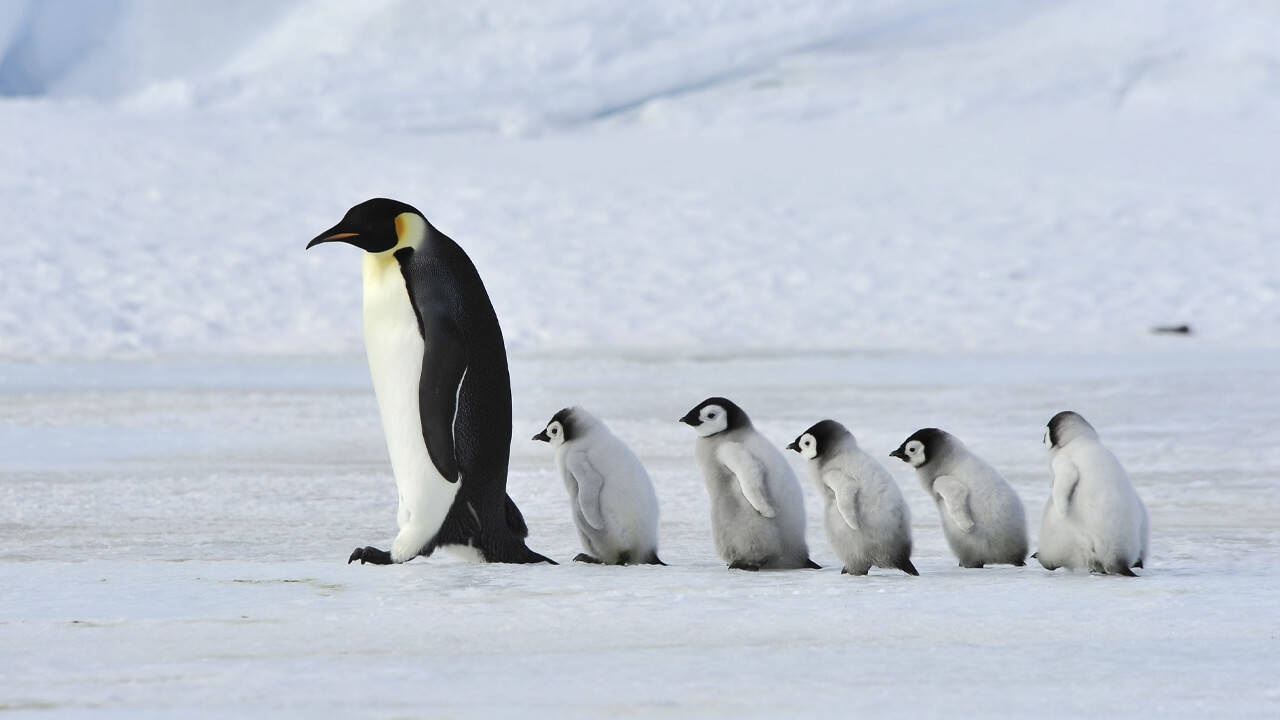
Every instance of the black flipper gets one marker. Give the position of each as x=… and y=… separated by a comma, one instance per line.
x=585, y=558
x=515, y=520
x=443, y=372
x=370, y=555
x=905, y=566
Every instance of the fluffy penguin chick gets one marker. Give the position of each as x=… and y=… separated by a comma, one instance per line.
x=757, y=509
x=982, y=517
x=868, y=523
x=1094, y=518
x=614, y=505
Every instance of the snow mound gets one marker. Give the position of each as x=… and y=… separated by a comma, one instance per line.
x=511, y=66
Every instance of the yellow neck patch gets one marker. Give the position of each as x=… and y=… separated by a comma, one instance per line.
x=411, y=230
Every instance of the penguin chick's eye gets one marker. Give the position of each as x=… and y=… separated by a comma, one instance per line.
x=554, y=431
x=711, y=415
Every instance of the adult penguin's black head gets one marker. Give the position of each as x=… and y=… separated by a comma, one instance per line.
x=376, y=226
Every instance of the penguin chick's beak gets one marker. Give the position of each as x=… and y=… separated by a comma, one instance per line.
x=335, y=233
x=690, y=419
x=899, y=454
x=543, y=436
x=794, y=446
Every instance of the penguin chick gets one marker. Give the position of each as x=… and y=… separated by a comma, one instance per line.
x=982, y=517
x=614, y=506
x=757, y=509
x=868, y=523
x=1094, y=518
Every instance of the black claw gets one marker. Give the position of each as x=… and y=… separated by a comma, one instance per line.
x=370, y=555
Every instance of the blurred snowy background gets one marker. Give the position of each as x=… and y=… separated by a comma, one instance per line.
x=701, y=176
x=896, y=213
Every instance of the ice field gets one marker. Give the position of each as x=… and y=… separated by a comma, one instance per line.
x=175, y=536
x=898, y=214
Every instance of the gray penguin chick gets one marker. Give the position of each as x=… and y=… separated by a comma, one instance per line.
x=757, y=508
x=982, y=517
x=614, y=506
x=1094, y=518
x=868, y=523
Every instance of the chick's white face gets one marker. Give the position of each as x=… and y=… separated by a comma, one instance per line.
x=555, y=431
x=808, y=446
x=915, y=453
x=712, y=419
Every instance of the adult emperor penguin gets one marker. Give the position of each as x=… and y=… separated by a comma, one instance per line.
x=757, y=509
x=1094, y=518
x=439, y=371
x=868, y=523
x=982, y=517
x=614, y=506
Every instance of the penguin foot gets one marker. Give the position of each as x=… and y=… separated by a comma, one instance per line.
x=811, y=565
x=1138, y=564
x=856, y=571
x=743, y=566
x=653, y=560
x=1018, y=563
x=585, y=558
x=370, y=555
x=907, y=567
x=972, y=565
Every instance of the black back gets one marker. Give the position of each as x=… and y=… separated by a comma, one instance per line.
x=466, y=351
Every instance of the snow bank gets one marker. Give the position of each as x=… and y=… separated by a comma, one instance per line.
x=504, y=64
x=705, y=176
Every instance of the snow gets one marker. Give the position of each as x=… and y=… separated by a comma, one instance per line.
x=189, y=555
x=895, y=213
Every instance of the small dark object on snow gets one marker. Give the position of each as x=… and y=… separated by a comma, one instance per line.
x=1172, y=329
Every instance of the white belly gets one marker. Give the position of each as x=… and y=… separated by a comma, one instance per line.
x=395, y=349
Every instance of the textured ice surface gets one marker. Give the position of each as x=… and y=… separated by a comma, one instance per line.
x=173, y=538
